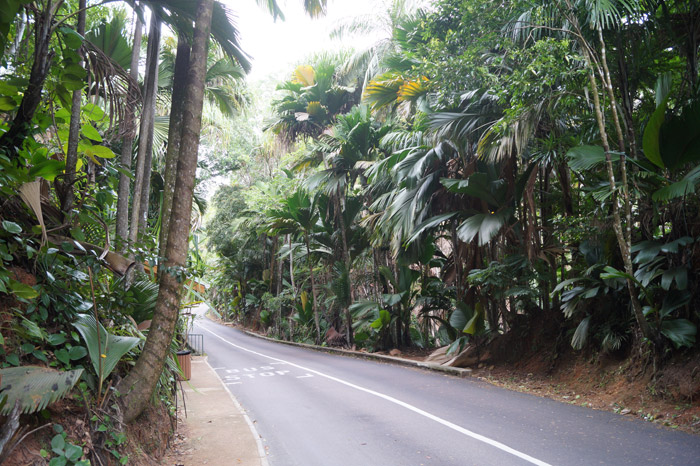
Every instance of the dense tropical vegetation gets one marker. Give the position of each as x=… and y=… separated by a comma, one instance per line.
x=98, y=154
x=517, y=171
x=503, y=175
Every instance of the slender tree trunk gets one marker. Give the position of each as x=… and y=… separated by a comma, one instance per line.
x=143, y=169
x=122, y=228
x=622, y=232
x=348, y=265
x=67, y=190
x=291, y=265
x=617, y=220
x=317, y=320
x=139, y=384
x=43, y=29
x=182, y=61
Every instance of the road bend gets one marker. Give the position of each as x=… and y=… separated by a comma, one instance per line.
x=316, y=409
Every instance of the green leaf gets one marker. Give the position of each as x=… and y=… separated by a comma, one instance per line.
x=680, y=188
x=646, y=251
x=7, y=103
x=391, y=299
x=582, y=158
x=383, y=321
x=58, y=461
x=77, y=352
x=472, y=326
x=478, y=185
x=111, y=348
x=680, y=331
x=73, y=452
x=679, y=274
x=93, y=112
x=483, y=226
x=74, y=84
x=21, y=290
x=35, y=387
x=429, y=224
x=103, y=152
x=461, y=315
x=652, y=131
x=48, y=169
x=71, y=37
x=90, y=132
x=62, y=355
x=13, y=359
x=11, y=227
x=611, y=272
x=58, y=443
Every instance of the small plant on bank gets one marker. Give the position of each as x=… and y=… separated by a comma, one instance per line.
x=66, y=452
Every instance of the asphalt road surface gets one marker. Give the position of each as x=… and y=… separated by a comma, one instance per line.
x=313, y=408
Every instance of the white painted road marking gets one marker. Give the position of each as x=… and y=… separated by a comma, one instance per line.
x=439, y=420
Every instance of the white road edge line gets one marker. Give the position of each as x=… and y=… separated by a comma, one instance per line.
x=439, y=420
x=251, y=426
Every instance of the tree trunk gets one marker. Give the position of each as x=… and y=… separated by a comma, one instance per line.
x=317, y=320
x=143, y=169
x=139, y=384
x=43, y=29
x=122, y=228
x=291, y=265
x=348, y=265
x=182, y=61
x=67, y=188
x=617, y=220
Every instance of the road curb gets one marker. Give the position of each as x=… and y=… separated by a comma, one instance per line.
x=455, y=371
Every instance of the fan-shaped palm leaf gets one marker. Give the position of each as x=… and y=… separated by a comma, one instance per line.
x=35, y=387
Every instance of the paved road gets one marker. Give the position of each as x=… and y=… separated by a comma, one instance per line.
x=312, y=408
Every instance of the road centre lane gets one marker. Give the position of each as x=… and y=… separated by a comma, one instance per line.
x=434, y=419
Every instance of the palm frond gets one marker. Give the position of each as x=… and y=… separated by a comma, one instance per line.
x=35, y=387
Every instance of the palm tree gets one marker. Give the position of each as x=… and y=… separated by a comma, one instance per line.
x=299, y=215
x=349, y=148
x=373, y=59
x=311, y=102
x=139, y=384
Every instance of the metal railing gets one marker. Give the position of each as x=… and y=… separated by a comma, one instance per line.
x=196, y=343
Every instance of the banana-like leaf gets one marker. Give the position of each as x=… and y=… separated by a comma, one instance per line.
x=111, y=347
x=35, y=387
x=652, y=132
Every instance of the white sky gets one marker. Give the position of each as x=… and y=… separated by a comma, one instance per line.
x=276, y=46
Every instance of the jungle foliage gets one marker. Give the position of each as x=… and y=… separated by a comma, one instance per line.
x=487, y=168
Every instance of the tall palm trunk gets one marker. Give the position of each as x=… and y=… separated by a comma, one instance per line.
x=143, y=158
x=340, y=207
x=122, y=228
x=67, y=189
x=623, y=231
x=177, y=110
x=139, y=384
x=291, y=265
x=313, y=288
